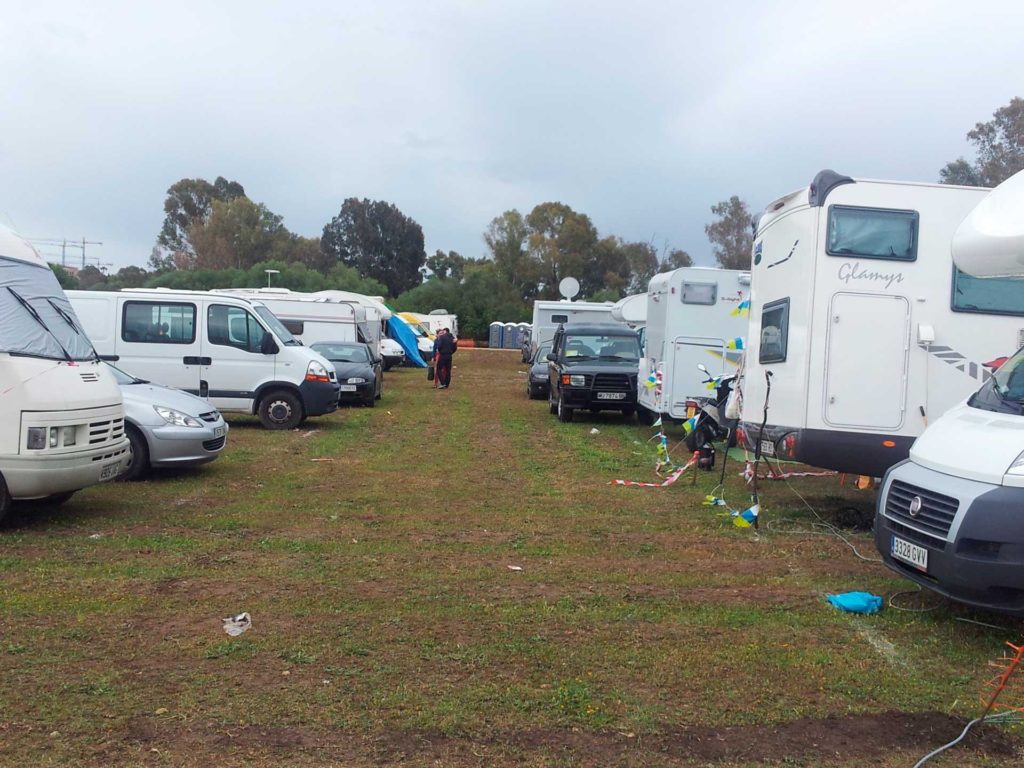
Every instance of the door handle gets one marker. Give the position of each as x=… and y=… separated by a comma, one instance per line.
x=192, y=360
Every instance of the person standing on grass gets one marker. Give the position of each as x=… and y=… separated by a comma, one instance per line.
x=445, y=346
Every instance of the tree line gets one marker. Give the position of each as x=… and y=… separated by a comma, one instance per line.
x=214, y=236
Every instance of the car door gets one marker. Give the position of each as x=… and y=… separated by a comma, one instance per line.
x=234, y=367
x=157, y=341
x=553, y=369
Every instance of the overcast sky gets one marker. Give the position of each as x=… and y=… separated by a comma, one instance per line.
x=642, y=115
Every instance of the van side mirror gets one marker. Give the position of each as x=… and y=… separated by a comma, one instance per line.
x=268, y=346
x=552, y=357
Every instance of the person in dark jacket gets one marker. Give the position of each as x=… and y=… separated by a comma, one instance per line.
x=445, y=346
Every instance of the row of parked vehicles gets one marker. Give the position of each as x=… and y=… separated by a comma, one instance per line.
x=879, y=341
x=105, y=385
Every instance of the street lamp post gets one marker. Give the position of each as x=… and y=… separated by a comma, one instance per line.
x=271, y=272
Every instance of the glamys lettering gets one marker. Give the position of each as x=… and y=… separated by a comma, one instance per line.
x=854, y=272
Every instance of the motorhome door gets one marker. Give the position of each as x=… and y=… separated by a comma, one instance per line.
x=687, y=380
x=866, y=360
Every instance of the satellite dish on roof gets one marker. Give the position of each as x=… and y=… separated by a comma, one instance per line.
x=569, y=287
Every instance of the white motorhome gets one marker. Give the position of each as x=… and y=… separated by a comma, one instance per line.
x=61, y=414
x=548, y=315
x=949, y=518
x=866, y=328
x=693, y=313
x=230, y=350
x=631, y=310
x=442, y=318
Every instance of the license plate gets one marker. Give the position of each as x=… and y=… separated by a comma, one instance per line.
x=767, y=448
x=910, y=553
x=348, y=387
x=218, y=431
x=611, y=395
x=110, y=471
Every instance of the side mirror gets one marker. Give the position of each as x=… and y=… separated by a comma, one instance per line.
x=268, y=346
x=702, y=369
x=552, y=357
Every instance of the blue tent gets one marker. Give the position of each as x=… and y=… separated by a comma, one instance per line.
x=399, y=330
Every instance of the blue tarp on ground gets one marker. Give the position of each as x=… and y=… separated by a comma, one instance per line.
x=399, y=330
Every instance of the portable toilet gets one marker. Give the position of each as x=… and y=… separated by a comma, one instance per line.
x=494, y=335
x=508, y=337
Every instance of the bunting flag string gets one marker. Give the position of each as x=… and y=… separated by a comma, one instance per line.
x=676, y=474
x=742, y=309
x=748, y=474
x=736, y=343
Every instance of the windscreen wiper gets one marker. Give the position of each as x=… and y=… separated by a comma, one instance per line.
x=68, y=319
x=35, y=316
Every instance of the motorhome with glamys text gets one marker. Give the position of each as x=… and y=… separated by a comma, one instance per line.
x=950, y=517
x=867, y=329
x=226, y=349
x=61, y=413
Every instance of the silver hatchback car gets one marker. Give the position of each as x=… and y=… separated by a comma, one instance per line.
x=167, y=427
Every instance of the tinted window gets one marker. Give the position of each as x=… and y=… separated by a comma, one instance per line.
x=774, y=332
x=989, y=295
x=700, y=293
x=593, y=345
x=234, y=327
x=158, y=322
x=342, y=353
x=295, y=327
x=873, y=233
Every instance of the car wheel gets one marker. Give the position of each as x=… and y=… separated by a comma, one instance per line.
x=280, y=409
x=138, y=455
x=370, y=402
x=387, y=366
x=564, y=412
x=5, y=499
x=380, y=391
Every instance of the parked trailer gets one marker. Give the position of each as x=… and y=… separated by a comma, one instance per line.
x=949, y=517
x=693, y=313
x=61, y=414
x=867, y=328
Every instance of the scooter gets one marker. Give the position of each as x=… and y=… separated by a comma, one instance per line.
x=712, y=424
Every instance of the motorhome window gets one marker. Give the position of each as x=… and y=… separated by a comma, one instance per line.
x=987, y=295
x=151, y=322
x=295, y=327
x=872, y=233
x=276, y=326
x=559, y=318
x=700, y=293
x=774, y=332
x=233, y=327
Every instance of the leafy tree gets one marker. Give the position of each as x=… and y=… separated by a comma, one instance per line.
x=237, y=233
x=292, y=275
x=444, y=265
x=190, y=201
x=561, y=240
x=643, y=265
x=506, y=237
x=731, y=235
x=380, y=241
x=67, y=280
x=90, y=278
x=675, y=259
x=130, y=277
x=999, y=150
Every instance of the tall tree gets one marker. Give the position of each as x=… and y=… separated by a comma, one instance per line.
x=236, y=234
x=999, y=150
x=190, y=201
x=643, y=263
x=89, y=277
x=731, y=235
x=506, y=237
x=379, y=240
x=675, y=259
x=66, y=279
x=447, y=265
x=561, y=240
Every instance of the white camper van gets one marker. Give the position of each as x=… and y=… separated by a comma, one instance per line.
x=227, y=349
x=61, y=414
x=442, y=318
x=548, y=315
x=949, y=518
x=693, y=313
x=866, y=328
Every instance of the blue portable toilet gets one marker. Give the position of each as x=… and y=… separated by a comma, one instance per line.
x=494, y=335
x=508, y=337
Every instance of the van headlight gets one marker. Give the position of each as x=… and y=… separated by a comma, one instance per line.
x=36, y=438
x=177, y=418
x=317, y=372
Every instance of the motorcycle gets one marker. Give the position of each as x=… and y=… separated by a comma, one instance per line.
x=712, y=423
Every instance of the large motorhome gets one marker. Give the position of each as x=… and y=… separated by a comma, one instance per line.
x=949, y=518
x=548, y=315
x=232, y=351
x=693, y=317
x=61, y=414
x=866, y=327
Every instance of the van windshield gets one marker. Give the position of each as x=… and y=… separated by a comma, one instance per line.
x=1004, y=392
x=277, y=326
x=36, y=319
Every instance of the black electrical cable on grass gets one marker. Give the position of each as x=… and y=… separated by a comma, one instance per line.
x=757, y=448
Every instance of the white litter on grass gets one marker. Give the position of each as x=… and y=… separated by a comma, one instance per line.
x=595, y=431
x=96, y=536
x=236, y=625
x=515, y=567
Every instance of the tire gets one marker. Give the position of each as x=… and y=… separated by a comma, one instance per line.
x=386, y=366
x=5, y=499
x=280, y=409
x=564, y=413
x=380, y=392
x=646, y=416
x=370, y=402
x=552, y=407
x=532, y=393
x=628, y=413
x=138, y=456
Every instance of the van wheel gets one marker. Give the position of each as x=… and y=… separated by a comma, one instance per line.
x=138, y=456
x=280, y=409
x=564, y=413
x=5, y=499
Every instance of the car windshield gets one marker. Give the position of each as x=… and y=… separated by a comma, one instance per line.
x=123, y=378
x=543, y=351
x=1004, y=392
x=585, y=345
x=277, y=326
x=342, y=352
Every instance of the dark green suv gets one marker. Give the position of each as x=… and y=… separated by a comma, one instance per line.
x=593, y=367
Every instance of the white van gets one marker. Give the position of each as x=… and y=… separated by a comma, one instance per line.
x=867, y=329
x=548, y=315
x=949, y=518
x=693, y=313
x=226, y=349
x=61, y=414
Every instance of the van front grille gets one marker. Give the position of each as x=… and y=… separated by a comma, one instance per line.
x=108, y=431
x=933, y=514
x=611, y=382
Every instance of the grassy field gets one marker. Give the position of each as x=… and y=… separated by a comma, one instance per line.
x=372, y=549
